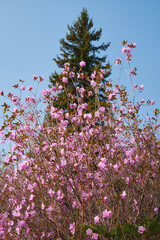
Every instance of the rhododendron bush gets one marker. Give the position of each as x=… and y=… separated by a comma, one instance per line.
x=81, y=173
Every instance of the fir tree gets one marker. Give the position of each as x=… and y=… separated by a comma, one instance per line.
x=78, y=46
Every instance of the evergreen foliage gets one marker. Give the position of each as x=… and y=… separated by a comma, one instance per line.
x=77, y=46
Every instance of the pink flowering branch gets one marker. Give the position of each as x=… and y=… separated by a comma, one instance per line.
x=71, y=172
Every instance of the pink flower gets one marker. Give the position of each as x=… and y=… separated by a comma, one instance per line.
x=1, y=93
x=156, y=210
x=29, y=88
x=34, y=184
x=22, y=87
x=71, y=74
x=90, y=93
x=41, y=79
x=128, y=50
x=43, y=235
x=134, y=45
x=34, y=77
x=30, y=187
x=137, y=106
x=1, y=231
x=88, y=116
x=141, y=87
x=16, y=110
x=84, y=106
x=49, y=209
x=64, y=72
x=93, y=83
x=67, y=115
x=72, y=228
x=96, y=219
x=66, y=65
x=107, y=214
x=133, y=73
x=78, y=75
x=127, y=180
x=141, y=229
x=42, y=206
x=95, y=236
x=93, y=75
x=51, y=192
x=63, y=163
x=104, y=160
x=96, y=114
x=7, y=160
x=82, y=64
x=128, y=58
x=21, y=223
x=116, y=166
x=152, y=102
x=60, y=88
x=142, y=101
x=82, y=90
x=18, y=230
x=130, y=111
x=101, y=76
x=16, y=211
x=31, y=197
x=123, y=195
x=135, y=86
x=117, y=61
x=52, y=111
x=102, y=109
x=123, y=50
x=89, y=232
x=64, y=79
x=101, y=165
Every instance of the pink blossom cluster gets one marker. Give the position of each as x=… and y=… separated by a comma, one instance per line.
x=127, y=50
x=72, y=172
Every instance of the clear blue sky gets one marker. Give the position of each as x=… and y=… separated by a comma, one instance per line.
x=30, y=31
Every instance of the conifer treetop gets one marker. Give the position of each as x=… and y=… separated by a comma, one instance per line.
x=77, y=45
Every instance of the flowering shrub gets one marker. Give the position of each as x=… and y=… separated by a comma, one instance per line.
x=80, y=174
